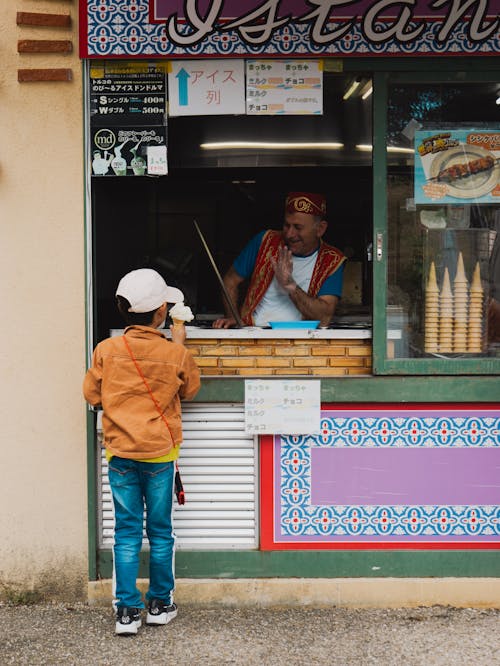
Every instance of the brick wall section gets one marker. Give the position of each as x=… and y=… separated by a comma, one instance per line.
x=321, y=358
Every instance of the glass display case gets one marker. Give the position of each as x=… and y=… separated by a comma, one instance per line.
x=444, y=285
x=455, y=291
x=443, y=221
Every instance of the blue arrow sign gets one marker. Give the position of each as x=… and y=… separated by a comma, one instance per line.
x=183, y=77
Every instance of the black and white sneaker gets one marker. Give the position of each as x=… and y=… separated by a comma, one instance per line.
x=128, y=620
x=160, y=613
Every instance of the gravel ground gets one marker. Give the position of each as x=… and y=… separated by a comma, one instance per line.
x=76, y=634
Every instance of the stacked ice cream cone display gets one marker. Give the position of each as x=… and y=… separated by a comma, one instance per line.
x=476, y=308
x=446, y=315
x=454, y=317
x=460, y=307
x=431, y=312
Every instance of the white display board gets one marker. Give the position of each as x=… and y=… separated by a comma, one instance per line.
x=157, y=160
x=206, y=87
x=284, y=87
x=285, y=407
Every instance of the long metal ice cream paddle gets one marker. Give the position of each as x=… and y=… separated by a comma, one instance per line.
x=233, y=308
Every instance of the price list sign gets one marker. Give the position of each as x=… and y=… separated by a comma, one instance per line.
x=128, y=123
x=128, y=98
x=284, y=87
x=284, y=407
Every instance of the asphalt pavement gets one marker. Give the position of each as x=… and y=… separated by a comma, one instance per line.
x=74, y=634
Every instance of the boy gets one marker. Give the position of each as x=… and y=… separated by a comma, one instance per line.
x=139, y=379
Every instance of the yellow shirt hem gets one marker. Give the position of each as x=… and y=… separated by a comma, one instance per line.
x=168, y=457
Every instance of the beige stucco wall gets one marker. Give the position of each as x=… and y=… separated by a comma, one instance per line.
x=43, y=514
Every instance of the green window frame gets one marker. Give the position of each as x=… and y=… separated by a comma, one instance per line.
x=383, y=365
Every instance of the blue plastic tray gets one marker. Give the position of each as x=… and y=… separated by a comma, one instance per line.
x=294, y=324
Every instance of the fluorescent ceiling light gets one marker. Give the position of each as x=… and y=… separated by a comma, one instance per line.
x=396, y=149
x=354, y=85
x=391, y=149
x=367, y=93
x=269, y=145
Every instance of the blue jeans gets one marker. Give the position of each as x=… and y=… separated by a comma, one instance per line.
x=134, y=484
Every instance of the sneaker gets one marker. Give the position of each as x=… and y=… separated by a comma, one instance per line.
x=160, y=613
x=128, y=620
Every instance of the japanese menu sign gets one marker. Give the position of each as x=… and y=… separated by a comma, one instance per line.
x=129, y=150
x=287, y=407
x=284, y=87
x=128, y=123
x=457, y=166
x=209, y=87
x=128, y=97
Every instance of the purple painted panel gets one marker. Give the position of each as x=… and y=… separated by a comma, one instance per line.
x=231, y=9
x=392, y=476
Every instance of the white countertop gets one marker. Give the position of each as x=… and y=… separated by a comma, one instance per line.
x=251, y=332
x=255, y=332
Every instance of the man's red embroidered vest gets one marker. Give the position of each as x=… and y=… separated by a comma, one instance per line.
x=328, y=261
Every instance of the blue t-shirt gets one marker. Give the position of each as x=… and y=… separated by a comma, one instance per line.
x=245, y=263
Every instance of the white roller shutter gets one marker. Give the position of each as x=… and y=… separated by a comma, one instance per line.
x=218, y=464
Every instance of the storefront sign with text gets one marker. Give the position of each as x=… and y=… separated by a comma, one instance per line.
x=277, y=28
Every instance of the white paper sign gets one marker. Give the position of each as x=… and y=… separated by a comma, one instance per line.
x=284, y=87
x=284, y=407
x=206, y=87
x=157, y=160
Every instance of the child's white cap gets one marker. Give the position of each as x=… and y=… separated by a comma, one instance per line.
x=146, y=290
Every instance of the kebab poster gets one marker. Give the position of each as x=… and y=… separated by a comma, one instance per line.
x=456, y=166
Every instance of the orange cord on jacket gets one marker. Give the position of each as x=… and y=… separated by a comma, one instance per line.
x=181, y=498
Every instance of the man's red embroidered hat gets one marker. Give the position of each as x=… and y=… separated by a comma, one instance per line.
x=306, y=202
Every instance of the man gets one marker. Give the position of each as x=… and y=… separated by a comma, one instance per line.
x=293, y=274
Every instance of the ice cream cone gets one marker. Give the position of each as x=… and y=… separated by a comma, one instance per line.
x=432, y=285
x=446, y=293
x=460, y=274
x=181, y=314
x=476, y=285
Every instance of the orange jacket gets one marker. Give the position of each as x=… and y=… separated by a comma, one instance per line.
x=132, y=426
